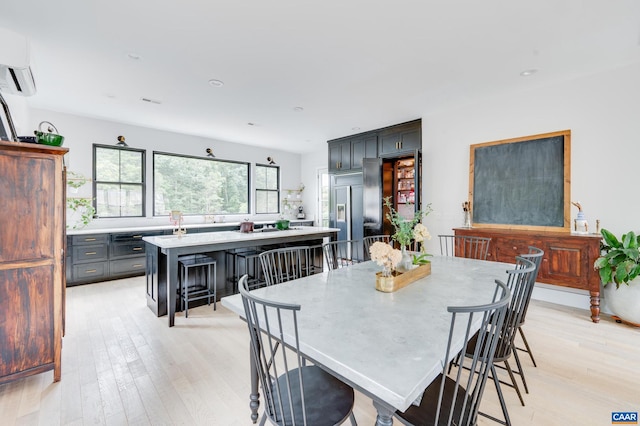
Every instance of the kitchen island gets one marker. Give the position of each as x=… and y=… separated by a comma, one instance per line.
x=163, y=251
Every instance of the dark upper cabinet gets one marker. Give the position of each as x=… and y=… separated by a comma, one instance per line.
x=346, y=154
x=403, y=137
x=363, y=147
x=401, y=141
x=340, y=155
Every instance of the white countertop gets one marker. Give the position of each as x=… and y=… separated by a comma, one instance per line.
x=165, y=227
x=207, y=238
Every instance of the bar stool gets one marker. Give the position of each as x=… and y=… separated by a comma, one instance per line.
x=244, y=261
x=248, y=262
x=205, y=289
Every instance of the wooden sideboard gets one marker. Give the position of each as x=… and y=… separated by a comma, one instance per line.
x=567, y=262
x=32, y=281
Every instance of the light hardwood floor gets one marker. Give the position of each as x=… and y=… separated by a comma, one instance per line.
x=121, y=365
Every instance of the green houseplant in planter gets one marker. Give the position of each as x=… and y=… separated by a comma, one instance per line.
x=619, y=263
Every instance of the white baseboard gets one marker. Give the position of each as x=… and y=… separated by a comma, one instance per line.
x=561, y=295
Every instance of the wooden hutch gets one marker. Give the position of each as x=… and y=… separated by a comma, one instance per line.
x=32, y=279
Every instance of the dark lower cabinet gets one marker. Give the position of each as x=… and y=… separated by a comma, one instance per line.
x=87, y=259
x=100, y=257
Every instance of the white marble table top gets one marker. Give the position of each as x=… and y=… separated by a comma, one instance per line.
x=389, y=346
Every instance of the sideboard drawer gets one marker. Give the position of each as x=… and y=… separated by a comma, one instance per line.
x=507, y=249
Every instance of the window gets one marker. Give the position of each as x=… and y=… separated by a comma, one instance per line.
x=196, y=185
x=118, y=176
x=323, y=197
x=267, y=189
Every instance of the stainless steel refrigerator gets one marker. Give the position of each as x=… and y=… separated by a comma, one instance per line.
x=346, y=209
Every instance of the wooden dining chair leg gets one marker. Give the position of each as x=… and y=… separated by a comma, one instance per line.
x=526, y=345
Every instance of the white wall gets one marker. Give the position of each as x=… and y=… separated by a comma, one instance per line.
x=311, y=163
x=602, y=113
x=81, y=133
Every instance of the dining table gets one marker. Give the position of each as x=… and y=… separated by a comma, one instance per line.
x=388, y=346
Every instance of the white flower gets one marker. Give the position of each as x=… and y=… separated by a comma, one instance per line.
x=385, y=255
x=421, y=233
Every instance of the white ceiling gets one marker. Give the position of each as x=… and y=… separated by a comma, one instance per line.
x=353, y=65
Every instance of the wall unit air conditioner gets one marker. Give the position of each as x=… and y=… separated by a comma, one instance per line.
x=15, y=73
x=17, y=81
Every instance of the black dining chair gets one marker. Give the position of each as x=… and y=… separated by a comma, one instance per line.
x=339, y=254
x=454, y=398
x=294, y=393
x=285, y=264
x=519, y=283
x=464, y=246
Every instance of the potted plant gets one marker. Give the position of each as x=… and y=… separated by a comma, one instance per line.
x=405, y=233
x=619, y=263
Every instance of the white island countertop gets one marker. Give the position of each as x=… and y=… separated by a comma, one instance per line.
x=226, y=237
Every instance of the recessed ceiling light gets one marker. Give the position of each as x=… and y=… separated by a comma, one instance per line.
x=216, y=83
x=298, y=109
x=355, y=128
x=251, y=124
x=134, y=56
x=527, y=73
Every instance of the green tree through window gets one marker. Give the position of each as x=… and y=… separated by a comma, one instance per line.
x=199, y=185
x=267, y=189
x=119, y=181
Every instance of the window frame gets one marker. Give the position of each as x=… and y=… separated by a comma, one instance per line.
x=142, y=184
x=196, y=157
x=277, y=190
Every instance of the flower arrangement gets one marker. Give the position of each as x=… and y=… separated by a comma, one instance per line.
x=386, y=256
x=407, y=230
x=420, y=234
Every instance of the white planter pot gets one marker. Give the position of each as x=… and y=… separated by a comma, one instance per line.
x=624, y=302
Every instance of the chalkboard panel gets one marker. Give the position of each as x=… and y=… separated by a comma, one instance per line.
x=521, y=183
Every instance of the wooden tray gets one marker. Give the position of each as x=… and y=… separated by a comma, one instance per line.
x=396, y=282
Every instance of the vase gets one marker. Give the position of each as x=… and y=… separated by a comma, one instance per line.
x=406, y=263
x=624, y=302
x=467, y=219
